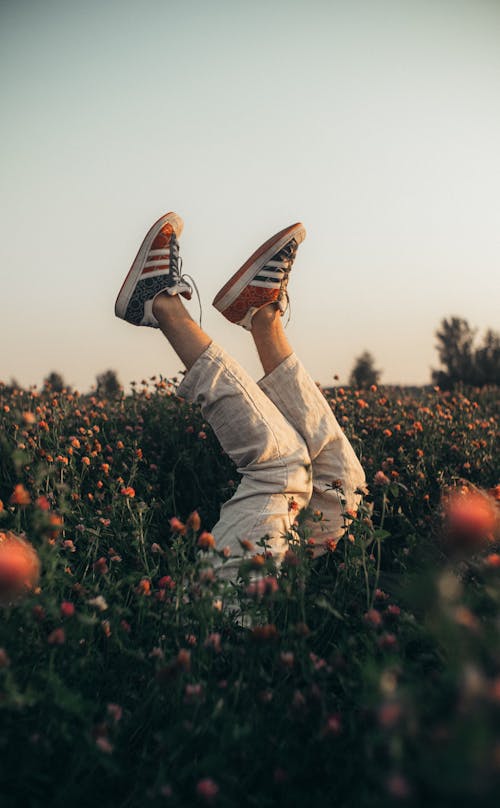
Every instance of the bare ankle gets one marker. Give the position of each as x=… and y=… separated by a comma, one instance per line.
x=164, y=304
x=266, y=316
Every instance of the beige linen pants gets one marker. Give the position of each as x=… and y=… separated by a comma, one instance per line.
x=287, y=445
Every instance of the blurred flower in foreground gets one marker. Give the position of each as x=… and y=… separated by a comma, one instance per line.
x=19, y=567
x=471, y=518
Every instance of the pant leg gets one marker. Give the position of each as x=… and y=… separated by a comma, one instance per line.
x=269, y=453
x=297, y=396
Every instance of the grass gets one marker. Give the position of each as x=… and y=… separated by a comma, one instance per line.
x=367, y=677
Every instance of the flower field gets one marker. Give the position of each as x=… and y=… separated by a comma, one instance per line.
x=367, y=677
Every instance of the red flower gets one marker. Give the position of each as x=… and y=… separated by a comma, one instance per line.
x=43, y=503
x=67, y=608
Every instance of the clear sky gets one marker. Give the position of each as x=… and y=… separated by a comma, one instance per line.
x=375, y=122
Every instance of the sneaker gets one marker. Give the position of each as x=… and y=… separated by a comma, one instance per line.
x=262, y=279
x=156, y=268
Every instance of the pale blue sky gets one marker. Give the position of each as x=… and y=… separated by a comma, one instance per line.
x=376, y=123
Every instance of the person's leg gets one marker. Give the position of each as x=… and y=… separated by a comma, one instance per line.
x=256, y=297
x=268, y=451
x=270, y=455
x=298, y=398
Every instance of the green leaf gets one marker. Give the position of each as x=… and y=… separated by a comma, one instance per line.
x=323, y=603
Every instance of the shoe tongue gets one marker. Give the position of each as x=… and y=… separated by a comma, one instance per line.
x=287, y=251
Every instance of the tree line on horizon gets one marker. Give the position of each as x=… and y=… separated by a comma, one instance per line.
x=463, y=362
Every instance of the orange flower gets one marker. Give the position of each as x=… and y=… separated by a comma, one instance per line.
x=184, y=659
x=193, y=521
x=206, y=541
x=128, y=492
x=20, y=496
x=258, y=560
x=86, y=461
x=495, y=492
x=177, y=526
x=143, y=587
x=19, y=566
x=471, y=517
x=265, y=632
x=56, y=522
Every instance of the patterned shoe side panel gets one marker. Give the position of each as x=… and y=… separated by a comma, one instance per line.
x=146, y=289
x=250, y=296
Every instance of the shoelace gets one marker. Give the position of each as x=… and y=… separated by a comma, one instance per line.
x=284, y=260
x=176, y=271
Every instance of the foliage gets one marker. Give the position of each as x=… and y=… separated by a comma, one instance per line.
x=364, y=373
x=54, y=382
x=368, y=677
x=462, y=361
x=108, y=384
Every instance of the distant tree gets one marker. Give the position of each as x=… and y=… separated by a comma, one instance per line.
x=462, y=361
x=488, y=360
x=364, y=373
x=108, y=384
x=54, y=382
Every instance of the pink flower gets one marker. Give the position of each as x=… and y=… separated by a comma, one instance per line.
x=333, y=725
x=373, y=617
x=213, y=641
x=104, y=745
x=381, y=479
x=115, y=711
x=207, y=789
x=57, y=637
x=287, y=659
